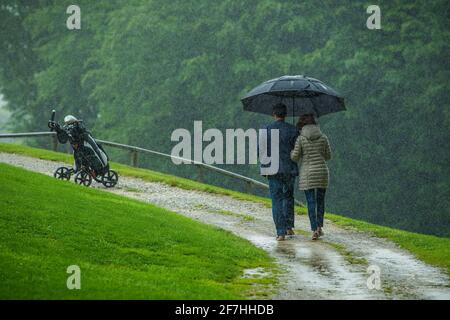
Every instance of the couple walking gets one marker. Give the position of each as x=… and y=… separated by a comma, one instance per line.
x=307, y=146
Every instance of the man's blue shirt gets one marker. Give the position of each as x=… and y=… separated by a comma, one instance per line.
x=287, y=136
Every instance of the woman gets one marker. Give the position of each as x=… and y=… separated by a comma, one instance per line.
x=312, y=150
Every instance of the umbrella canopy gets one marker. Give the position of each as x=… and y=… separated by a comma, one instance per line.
x=300, y=94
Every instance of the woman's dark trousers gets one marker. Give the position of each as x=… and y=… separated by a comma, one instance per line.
x=316, y=206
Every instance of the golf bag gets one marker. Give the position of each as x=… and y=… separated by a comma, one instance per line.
x=88, y=153
x=91, y=160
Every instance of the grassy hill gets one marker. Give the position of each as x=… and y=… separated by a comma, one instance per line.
x=431, y=249
x=125, y=249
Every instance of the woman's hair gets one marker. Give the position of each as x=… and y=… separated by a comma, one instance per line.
x=305, y=119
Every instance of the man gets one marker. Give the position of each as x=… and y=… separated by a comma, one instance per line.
x=281, y=181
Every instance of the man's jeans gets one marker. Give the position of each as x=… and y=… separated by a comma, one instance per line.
x=282, y=193
x=316, y=200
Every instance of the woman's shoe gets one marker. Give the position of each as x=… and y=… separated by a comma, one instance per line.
x=315, y=235
x=320, y=232
x=280, y=238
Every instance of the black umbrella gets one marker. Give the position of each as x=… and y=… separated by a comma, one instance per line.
x=300, y=94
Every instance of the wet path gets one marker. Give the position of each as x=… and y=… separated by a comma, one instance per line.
x=332, y=268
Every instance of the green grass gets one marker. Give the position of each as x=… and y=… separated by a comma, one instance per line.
x=244, y=217
x=303, y=232
x=431, y=249
x=126, y=249
x=347, y=255
x=132, y=189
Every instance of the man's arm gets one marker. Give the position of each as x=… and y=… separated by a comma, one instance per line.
x=297, y=151
x=294, y=136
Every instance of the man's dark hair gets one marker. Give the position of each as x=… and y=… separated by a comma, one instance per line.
x=279, y=110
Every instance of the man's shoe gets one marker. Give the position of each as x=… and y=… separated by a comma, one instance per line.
x=290, y=232
x=280, y=238
x=315, y=235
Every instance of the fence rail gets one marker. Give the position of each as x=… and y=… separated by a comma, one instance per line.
x=134, y=151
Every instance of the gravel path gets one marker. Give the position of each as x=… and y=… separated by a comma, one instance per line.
x=332, y=268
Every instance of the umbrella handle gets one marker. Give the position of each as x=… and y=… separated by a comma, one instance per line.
x=293, y=105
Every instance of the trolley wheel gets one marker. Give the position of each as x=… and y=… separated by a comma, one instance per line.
x=110, y=178
x=62, y=173
x=83, y=178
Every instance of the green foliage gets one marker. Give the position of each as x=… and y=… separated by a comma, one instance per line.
x=125, y=249
x=139, y=69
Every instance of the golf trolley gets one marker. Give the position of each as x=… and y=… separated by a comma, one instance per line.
x=91, y=160
x=86, y=175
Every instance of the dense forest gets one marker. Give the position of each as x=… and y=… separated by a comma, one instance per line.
x=138, y=69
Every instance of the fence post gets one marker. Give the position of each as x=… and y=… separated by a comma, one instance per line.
x=200, y=173
x=248, y=187
x=54, y=142
x=134, y=158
